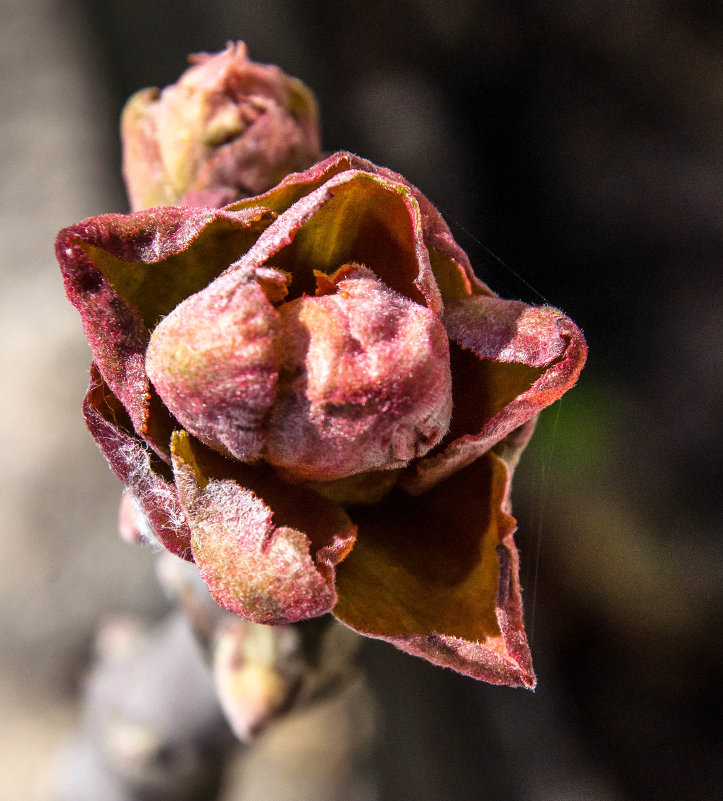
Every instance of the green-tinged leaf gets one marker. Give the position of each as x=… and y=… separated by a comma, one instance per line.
x=123, y=272
x=509, y=361
x=437, y=575
x=266, y=551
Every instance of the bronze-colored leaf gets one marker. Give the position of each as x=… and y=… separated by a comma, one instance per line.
x=436, y=575
x=267, y=557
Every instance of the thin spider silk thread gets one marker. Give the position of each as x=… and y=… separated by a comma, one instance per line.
x=494, y=256
x=543, y=466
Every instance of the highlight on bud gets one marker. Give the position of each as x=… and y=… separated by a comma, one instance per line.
x=310, y=394
x=213, y=362
x=227, y=129
x=364, y=380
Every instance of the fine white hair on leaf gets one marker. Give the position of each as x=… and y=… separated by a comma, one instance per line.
x=143, y=483
x=143, y=524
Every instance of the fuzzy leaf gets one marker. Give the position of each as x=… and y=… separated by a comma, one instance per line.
x=270, y=560
x=213, y=361
x=142, y=473
x=437, y=576
x=365, y=381
x=124, y=272
x=509, y=361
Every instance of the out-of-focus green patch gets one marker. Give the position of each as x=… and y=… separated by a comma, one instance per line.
x=580, y=431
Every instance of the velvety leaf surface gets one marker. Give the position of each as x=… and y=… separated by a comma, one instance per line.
x=124, y=272
x=143, y=474
x=452, y=272
x=509, y=361
x=437, y=575
x=267, y=551
x=353, y=218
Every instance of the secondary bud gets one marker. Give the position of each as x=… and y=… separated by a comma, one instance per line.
x=227, y=129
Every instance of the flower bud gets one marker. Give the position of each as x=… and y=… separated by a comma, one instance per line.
x=311, y=395
x=227, y=129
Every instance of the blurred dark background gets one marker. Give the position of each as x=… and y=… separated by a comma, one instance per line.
x=575, y=148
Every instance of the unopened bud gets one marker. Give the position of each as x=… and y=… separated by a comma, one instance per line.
x=228, y=128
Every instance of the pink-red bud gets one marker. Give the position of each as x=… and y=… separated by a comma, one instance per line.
x=365, y=381
x=227, y=129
